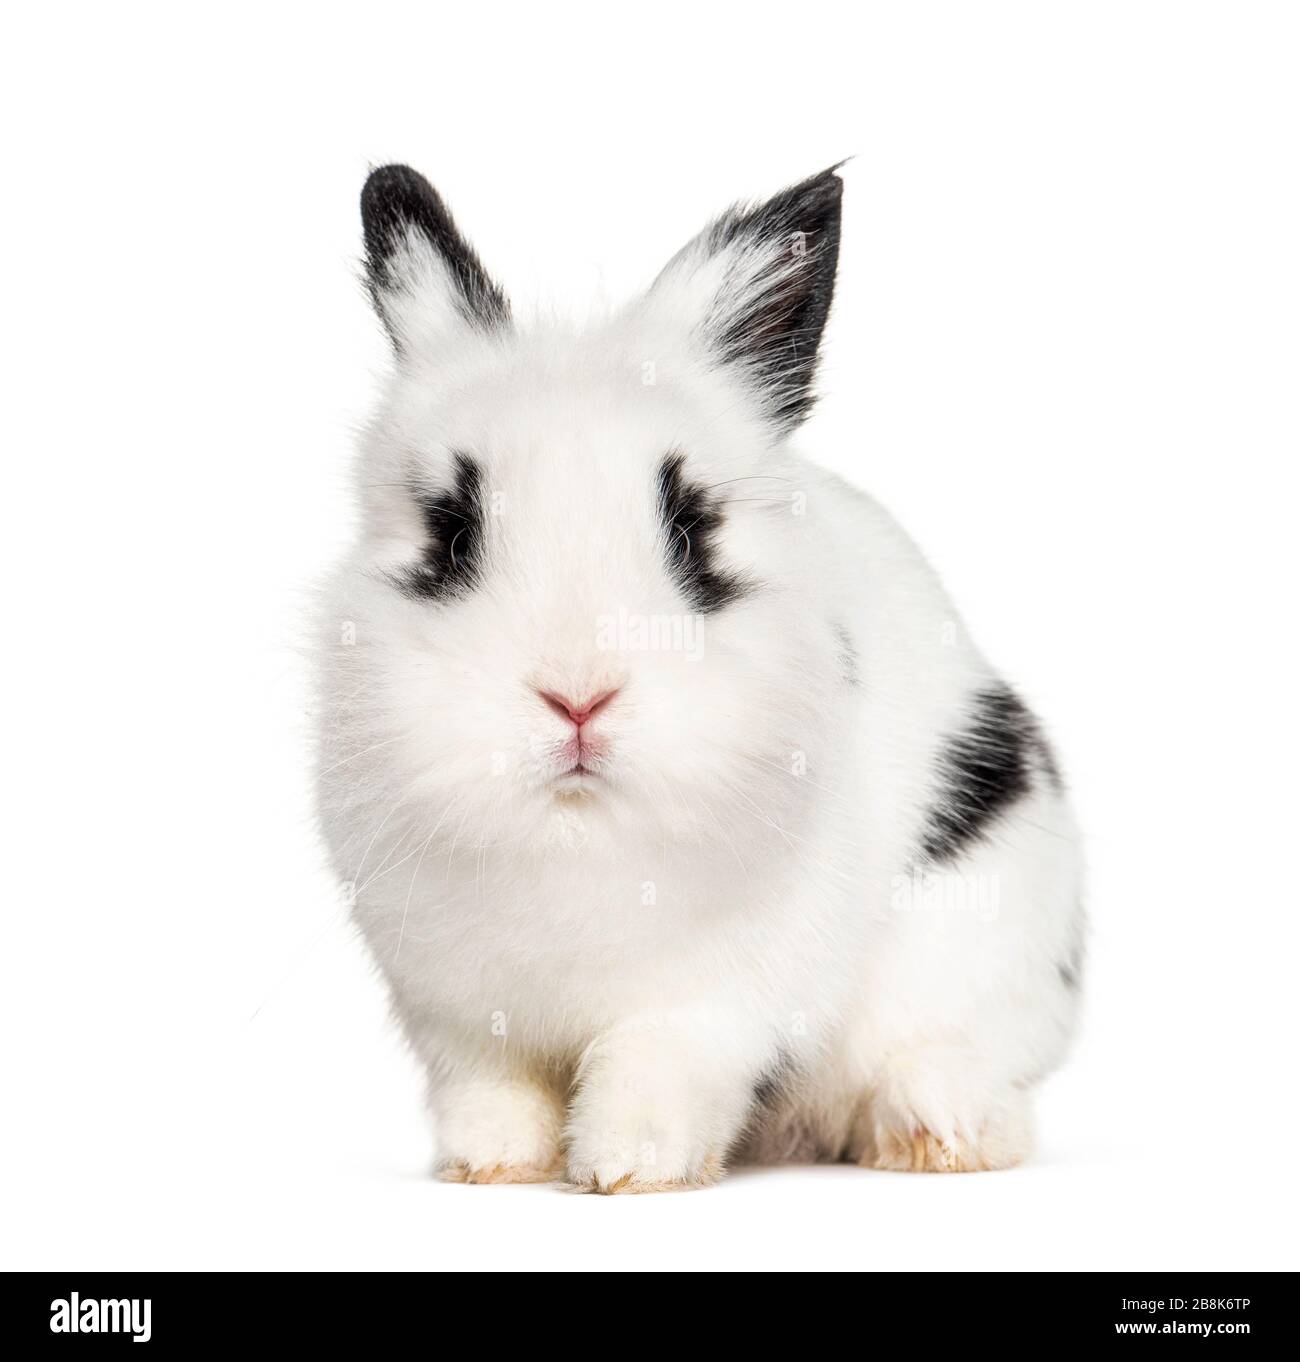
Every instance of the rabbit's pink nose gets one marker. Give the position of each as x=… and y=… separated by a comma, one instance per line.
x=577, y=711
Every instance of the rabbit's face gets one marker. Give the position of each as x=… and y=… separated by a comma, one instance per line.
x=572, y=609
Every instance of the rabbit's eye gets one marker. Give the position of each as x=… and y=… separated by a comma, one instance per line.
x=453, y=550
x=691, y=520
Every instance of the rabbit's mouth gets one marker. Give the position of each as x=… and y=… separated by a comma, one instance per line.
x=579, y=771
x=579, y=784
x=582, y=755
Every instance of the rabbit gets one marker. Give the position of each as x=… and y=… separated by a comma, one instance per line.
x=684, y=822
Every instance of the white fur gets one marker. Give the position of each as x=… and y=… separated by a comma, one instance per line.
x=598, y=972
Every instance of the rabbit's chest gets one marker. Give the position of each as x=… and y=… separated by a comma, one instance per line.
x=565, y=944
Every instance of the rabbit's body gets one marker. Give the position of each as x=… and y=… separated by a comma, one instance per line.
x=679, y=813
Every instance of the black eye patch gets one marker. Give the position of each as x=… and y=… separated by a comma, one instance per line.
x=453, y=552
x=691, y=519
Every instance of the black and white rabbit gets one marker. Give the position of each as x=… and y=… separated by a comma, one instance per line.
x=681, y=816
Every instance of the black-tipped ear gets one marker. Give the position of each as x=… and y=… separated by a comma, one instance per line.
x=758, y=284
x=420, y=270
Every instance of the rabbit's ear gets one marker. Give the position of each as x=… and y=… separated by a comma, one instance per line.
x=755, y=287
x=422, y=274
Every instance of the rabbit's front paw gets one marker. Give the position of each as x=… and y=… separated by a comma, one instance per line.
x=657, y=1107
x=641, y=1152
x=498, y=1131
x=649, y=1131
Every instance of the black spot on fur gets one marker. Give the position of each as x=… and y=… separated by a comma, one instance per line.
x=983, y=771
x=397, y=201
x=453, y=552
x=777, y=1130
x=768, y=1090
x=690, y=519
x=778, y=335
x=774, y=1085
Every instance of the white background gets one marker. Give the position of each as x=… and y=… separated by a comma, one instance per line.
x=1065, y=353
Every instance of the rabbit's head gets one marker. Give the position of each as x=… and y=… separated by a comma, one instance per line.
x=581, y=595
